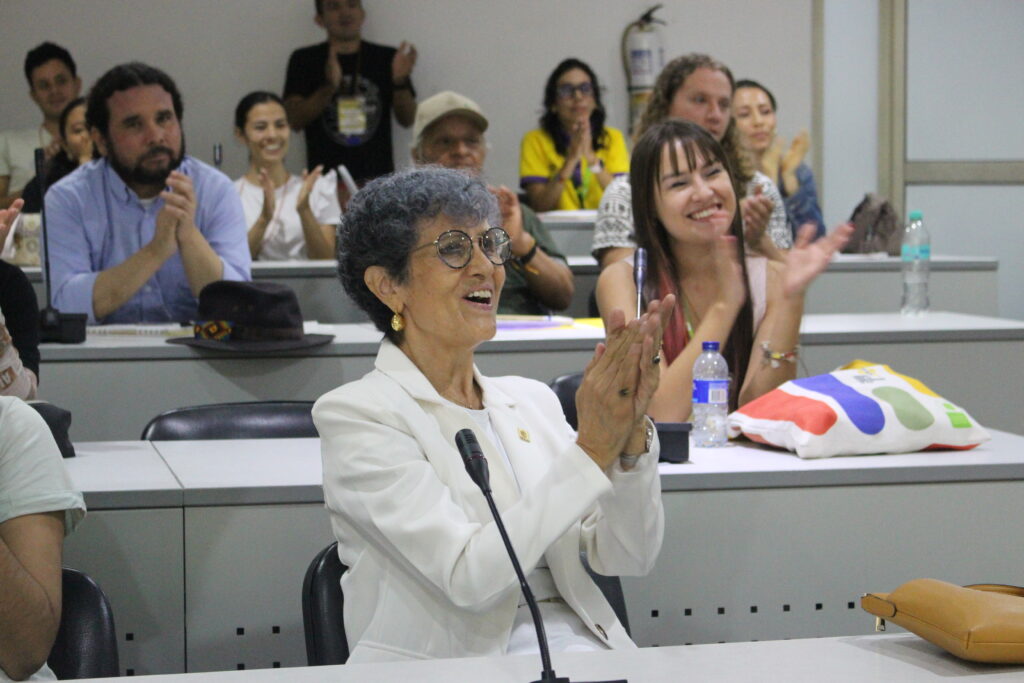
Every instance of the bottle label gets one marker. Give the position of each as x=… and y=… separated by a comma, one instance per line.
x=711, y=391
x=916, y=252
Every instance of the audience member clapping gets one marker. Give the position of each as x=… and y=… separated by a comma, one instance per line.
x=135, y=237
x=76, y=148
x=449, y=132
x=19, y=323
x=573, y=156
x=696, y=88
x=289, y=217
x=754, y=108
x=688, y=219
x=53, y=82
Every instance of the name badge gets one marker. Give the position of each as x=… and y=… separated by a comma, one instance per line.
x=352, y=116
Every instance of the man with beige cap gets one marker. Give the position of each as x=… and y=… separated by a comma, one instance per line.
x=449, y=132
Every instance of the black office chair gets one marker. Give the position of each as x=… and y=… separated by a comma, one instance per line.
x=251, y=420
x=86, y=644
x=565, y=388
x=322, y=607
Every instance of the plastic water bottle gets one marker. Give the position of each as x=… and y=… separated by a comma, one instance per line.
x=710, y=397
x=916, y=256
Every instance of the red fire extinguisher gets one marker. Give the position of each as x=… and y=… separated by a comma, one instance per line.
x=642, y=58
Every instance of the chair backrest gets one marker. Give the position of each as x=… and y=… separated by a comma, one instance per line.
x=565, y=389
x=86, y=644
x=322, y=608
x=252, y=420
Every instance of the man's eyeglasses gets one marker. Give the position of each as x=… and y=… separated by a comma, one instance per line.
x=567, y=90
x=455, y=247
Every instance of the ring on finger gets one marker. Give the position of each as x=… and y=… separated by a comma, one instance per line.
x=657, y=358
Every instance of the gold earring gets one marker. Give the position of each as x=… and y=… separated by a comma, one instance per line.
x=397, y=322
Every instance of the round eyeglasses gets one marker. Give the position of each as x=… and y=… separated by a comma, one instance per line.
x=455, y=247
x=566, y=90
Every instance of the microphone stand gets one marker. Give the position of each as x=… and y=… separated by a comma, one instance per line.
x=54, y=326
x=476, y=466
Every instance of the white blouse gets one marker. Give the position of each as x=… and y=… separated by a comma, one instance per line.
x=283, y=240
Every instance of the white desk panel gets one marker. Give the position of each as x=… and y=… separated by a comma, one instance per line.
x=879, y=658
x=973, y=360
x=746, y=527
x=131, y=543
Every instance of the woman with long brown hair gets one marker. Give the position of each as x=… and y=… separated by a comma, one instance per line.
x=687, y=218
x=699, y=89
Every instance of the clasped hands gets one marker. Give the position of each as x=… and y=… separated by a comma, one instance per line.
x=619, y=382
x=176, y=220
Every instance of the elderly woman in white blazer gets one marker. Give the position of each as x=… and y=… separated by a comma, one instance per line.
x=428, y=575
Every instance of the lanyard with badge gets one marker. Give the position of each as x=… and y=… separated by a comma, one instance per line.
x=351, y=107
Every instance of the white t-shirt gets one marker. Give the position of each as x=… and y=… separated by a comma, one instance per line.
x=283, y=240
x=32, y=477
x=18, y=154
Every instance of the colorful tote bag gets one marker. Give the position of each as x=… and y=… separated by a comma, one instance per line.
x=860, y=409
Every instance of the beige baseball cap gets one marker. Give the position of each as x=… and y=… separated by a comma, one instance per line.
x=442, y=104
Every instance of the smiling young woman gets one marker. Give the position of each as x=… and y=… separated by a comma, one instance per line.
x=755, y=108
x=289, y=217
x=686, y=217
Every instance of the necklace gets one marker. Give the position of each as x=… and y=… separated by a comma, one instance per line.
x=689, y=314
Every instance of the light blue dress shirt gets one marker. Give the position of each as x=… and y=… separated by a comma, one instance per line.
x=95, y=222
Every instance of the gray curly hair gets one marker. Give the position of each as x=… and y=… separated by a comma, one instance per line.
x=381, y=226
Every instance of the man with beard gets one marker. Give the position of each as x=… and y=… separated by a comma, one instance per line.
x=136, y=235
x=449, y=132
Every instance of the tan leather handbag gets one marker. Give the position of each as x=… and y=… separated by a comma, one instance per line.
x=981, y=622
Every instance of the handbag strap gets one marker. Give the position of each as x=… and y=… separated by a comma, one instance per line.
x=998, y=588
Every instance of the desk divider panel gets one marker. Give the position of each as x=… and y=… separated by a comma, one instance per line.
x=244, y=567
x=136, y=557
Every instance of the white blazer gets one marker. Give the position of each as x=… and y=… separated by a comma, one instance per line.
x=428, y=574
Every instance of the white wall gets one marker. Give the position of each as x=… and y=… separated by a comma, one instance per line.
x=965, y=104
x=498, y=53
x=850, y=102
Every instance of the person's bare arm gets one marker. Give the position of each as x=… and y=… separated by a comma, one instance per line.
x=613, y=255
x=30, y=591
x=254, y=236
x=616, y=290
x=320, y=238
x=402, y=100
x=549, y=279
x=7, y=199
x=201, y=262
x=303, y=111
x=116, y=285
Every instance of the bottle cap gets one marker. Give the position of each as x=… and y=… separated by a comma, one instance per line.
x=710, y=346
x=916, y=215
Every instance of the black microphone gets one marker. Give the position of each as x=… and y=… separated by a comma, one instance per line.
x=476, y=467
x=54, y=326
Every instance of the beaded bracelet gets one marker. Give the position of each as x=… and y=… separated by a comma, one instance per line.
x=775, y=358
